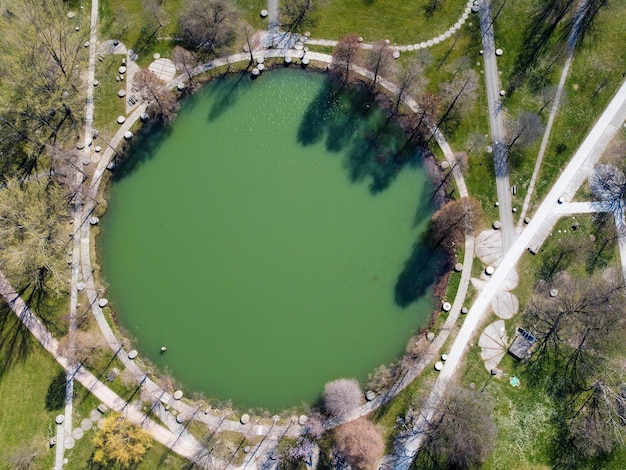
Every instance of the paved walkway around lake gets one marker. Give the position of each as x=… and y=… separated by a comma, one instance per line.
x=184, y=443
x=181, y=407
x=64, y=430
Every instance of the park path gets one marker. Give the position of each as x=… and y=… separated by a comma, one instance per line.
x=214, y=421
x=273, y=21
x=574, y=174
x=87, y=379
x=65, y=429
x=498, y=136
x=82, y=242
x=571, y=45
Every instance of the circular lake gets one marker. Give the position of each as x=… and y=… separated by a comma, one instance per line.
x=263, y=239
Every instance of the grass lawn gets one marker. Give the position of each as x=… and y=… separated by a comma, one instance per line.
x=595, y=75
x=523, y=415
x=108, y=106
x=26, y=421
x=399, y=21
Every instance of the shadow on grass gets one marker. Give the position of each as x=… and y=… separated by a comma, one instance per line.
x=55, y=398
x=15, y=339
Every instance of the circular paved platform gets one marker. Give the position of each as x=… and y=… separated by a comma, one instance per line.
x=488, y=247
x=493, y=344
x=165, y=69
x=505, y=305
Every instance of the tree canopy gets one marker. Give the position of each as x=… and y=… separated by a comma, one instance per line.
x=120, y=442
x=209, y=27
x=33, y=247
x=41, y=103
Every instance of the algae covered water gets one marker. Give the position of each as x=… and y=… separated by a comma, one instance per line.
x=263, y=239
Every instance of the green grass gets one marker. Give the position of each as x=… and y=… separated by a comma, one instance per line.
x=385, y=417
x=522, y=415
x=127, y=21
x=108, y=106
x=26, y=424
x=251, y=12
x=399, y=21
x=595, y=75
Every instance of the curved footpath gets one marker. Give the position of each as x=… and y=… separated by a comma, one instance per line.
x=182, y=442
x=571, y=45
x=210, y=420
x=86, y=378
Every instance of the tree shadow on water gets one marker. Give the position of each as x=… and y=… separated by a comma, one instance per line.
x=330, y=117
x=347, y=119
x=423, y=267
x=144, y=147
x=225, y=89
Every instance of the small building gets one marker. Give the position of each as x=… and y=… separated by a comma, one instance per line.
x=522, y=344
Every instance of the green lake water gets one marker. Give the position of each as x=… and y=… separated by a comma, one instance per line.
x=262, y=237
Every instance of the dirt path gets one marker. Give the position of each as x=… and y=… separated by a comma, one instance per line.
x=571, y=45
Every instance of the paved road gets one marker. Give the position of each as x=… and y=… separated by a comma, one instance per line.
x=498, y=136
x=65, y=429
x=570, y=180
x=273, y=21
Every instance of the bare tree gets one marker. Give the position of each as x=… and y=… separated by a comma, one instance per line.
x=360, y=442
x=596, y=426
x=41, y=103
x=342, y=396
x=79, y=345
x=454, y=221
x=410, y=80
x=22, y=458
x=458, y=96
x=302, y=451
x=608, y=183
x=160, y=100
x=524, y=130
x=33, y=239
x=154, y=19
x=574, y=327
x=210, y=27
x=379, y=61
x=380, y=379
x=462, y=432
x=250, y=42
x=186, y=61
x=418, y=125
x=295, y=15
x=346, y=54
x=315, y=424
